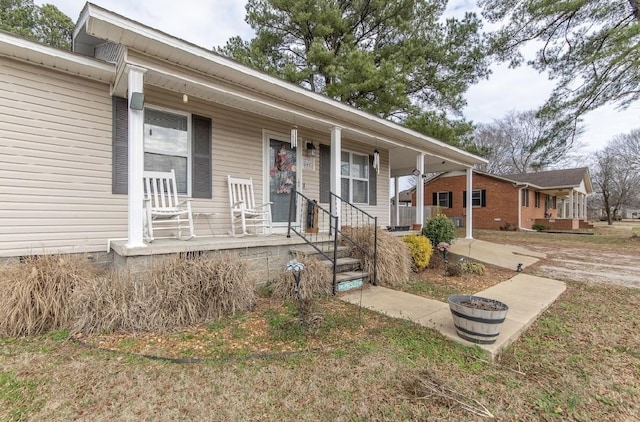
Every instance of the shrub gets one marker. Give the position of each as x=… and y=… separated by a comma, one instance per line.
x=539, y=227
x=316, y=279
x=179, y=291
x=509, y=227
x=454, y=270
x=36, y=294
x=439, y=229
x=473, y=268
x=420, y=249
x=394, y=262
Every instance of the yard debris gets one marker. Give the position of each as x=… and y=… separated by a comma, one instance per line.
x=426, y=386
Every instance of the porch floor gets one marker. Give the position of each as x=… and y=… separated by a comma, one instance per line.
x=210, y=243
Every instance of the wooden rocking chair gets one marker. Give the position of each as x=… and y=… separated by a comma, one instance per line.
x=162, y=207
x=244, y=209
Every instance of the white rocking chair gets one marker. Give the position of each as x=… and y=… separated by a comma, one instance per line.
x=244, y=209
x=162, y=207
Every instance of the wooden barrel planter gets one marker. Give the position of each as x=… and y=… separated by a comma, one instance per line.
x=477, y=319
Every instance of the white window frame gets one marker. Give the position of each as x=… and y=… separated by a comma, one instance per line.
x=189, y=135
x=440, y=203
x=525, y=198
x=479, y=198
x=351, y=178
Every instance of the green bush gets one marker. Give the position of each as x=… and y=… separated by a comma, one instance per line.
x=473, y=268
x=539, y=227
x=420, y=250
x=439, y=229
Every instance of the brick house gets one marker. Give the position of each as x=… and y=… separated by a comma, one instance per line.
x=555, y=198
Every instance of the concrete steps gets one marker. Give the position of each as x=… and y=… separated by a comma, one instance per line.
x=349, y=273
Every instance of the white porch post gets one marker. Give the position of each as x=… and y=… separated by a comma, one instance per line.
x=579, y=203
x=420, y=190
x=469, y=223
x=584, y=206
x=136, y=160
x=397, y=204
x=336, y=186
x=571, y=204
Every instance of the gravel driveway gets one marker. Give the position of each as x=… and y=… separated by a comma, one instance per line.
x=587, y=264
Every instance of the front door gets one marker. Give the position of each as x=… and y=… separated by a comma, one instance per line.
x=283, y=175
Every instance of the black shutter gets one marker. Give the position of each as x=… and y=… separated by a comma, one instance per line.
x=373, y=178
x=325, y=173
x=464, y=199
x=483, y=200
x=120, y=146
x=434, y=198
x=450, y=199
x=201, y=157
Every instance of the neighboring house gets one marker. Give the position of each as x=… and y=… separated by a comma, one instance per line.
x=631, y=213
x=404, y=198
x=78, y=128
x=555, y=198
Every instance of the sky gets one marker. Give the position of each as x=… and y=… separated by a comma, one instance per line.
x=210, y=23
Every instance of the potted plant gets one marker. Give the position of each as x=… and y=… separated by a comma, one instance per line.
x=477, y=319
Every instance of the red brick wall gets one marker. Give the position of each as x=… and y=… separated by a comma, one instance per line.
x=501, y=201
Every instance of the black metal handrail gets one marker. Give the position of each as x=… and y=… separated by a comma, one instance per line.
x=353, y=216
x=311, y=222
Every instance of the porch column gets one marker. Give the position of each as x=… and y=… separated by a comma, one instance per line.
x=571, y=204
x=397, y=204
x=336, y=186
x=580, y=201
x=469, y=223
x=419, y=190
x=136, y=160
x=584, y=206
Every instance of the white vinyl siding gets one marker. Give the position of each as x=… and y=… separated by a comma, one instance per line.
x=56, y=170
x=55, y=163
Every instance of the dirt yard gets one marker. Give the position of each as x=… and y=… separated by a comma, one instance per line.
x=610, y=256
x=586, y=264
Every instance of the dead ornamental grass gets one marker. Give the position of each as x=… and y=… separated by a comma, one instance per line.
x=394, y=259
x=55, y=292
x=37, y=293
x=315, y=281
x=179, y=292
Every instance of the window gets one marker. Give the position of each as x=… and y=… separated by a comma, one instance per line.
x=478, y=198
x=525, y=197
x=443, y=200
x=355, y=177
x=166, y=145
x=536, y=199
x=193, y=135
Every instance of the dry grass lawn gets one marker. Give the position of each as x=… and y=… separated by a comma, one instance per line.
x=579, y=361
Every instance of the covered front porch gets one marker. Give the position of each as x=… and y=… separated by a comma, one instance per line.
x=233, y=121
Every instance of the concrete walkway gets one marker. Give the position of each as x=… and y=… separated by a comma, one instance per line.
x=505, y=256
x=527, y=296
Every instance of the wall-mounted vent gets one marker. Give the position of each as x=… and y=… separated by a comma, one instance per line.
x=109, y=52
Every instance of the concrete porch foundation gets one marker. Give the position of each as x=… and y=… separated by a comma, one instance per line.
x=266, y=256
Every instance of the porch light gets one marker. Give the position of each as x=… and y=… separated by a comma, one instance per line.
x=137, y=101
x=376, y=161
x=311, y=149
x=294, y=136
x=185, y=98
